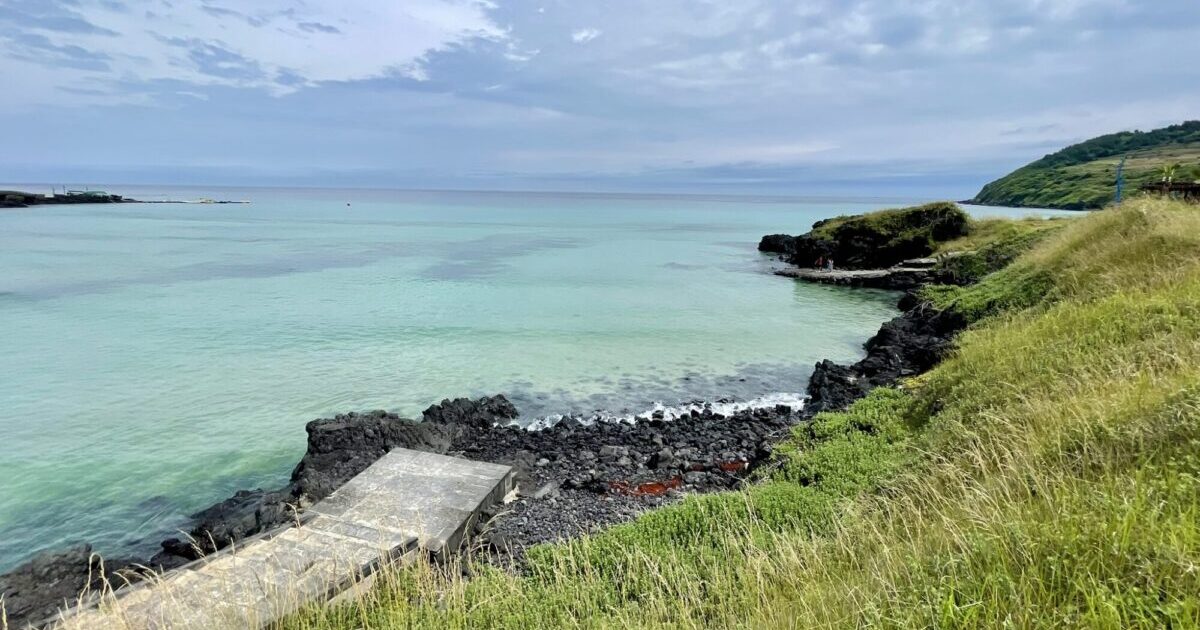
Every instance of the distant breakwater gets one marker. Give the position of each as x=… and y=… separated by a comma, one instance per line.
x=19, y=199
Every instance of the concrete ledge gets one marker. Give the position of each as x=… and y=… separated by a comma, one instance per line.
x=405, y=502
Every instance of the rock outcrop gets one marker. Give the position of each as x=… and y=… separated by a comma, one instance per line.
x=877, y=240
x=18, y=199
x=776, y=244
x=49, y=581
x=341, y=447
x=906, y=345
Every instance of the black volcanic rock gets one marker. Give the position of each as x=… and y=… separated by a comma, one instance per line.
x=49, y=581
x=876, y=240
x=834, y=386
x=776, y=244
x=341, y=447
x=246, y=513
x=19, y=199
x=906, y=345
x=481, y=413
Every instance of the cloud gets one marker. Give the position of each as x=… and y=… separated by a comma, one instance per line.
x=47, y=16
x=277, y=45
x=699, y=91
x=317, y=27
x=585, y=35
x=38, y=49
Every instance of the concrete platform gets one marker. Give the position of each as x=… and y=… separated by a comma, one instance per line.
x=406, y=502
x=894, y=278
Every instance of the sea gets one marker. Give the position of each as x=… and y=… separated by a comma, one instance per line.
x=154, y=358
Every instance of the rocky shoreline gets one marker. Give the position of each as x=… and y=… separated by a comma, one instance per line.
x=575, y=476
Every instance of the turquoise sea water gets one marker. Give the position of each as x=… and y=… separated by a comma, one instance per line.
x=156, y=358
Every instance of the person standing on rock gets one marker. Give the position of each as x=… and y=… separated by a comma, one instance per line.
x=820, y=262
x=829, y=265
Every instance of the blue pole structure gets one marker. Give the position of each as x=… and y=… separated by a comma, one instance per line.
x=1120, y=179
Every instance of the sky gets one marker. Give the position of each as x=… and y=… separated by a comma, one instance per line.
x=819, y=97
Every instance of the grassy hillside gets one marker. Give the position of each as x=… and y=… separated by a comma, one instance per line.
x=1084, y=175
x=1045, y=475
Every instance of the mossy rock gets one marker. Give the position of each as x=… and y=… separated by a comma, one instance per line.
x=880, y=239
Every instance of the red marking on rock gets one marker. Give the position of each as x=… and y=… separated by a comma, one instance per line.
x=735, y=466
x=647, y=489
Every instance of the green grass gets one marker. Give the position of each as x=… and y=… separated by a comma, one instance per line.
x=1045, y=475
x=1084, y=175
x=991, y=244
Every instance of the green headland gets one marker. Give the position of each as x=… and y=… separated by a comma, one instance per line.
x=1083, y=176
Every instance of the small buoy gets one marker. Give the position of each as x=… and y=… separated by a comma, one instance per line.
x=347, y=204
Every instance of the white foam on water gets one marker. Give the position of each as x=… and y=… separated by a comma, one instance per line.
x=675, y=412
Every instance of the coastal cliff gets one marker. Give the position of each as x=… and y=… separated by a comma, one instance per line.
x=1083, y=176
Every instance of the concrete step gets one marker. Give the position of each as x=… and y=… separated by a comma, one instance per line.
x=405, y=503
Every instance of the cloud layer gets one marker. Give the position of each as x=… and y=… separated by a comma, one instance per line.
x=685, y=91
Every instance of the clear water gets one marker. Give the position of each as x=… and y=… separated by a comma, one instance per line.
x=157, y=357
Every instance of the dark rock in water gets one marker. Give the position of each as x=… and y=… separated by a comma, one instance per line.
x=36, y=590
x=911, y=343
x=776, y=244
x=482, y=413
x=246, y=513
x=904, y=346
x=339, y=448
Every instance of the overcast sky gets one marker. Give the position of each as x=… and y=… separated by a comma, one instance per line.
x=728, y=95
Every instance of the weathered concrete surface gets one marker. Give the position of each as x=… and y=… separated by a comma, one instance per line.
x=907, y=275
x=406, y=501
x=896, y=278
x=412, y=492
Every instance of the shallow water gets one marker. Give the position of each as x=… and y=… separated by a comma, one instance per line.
x=158, y=357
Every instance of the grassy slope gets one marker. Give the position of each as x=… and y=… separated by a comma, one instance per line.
x=1084, y=175
x=1048, y=474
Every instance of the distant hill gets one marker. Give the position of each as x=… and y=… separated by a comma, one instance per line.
x=1083, y=175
